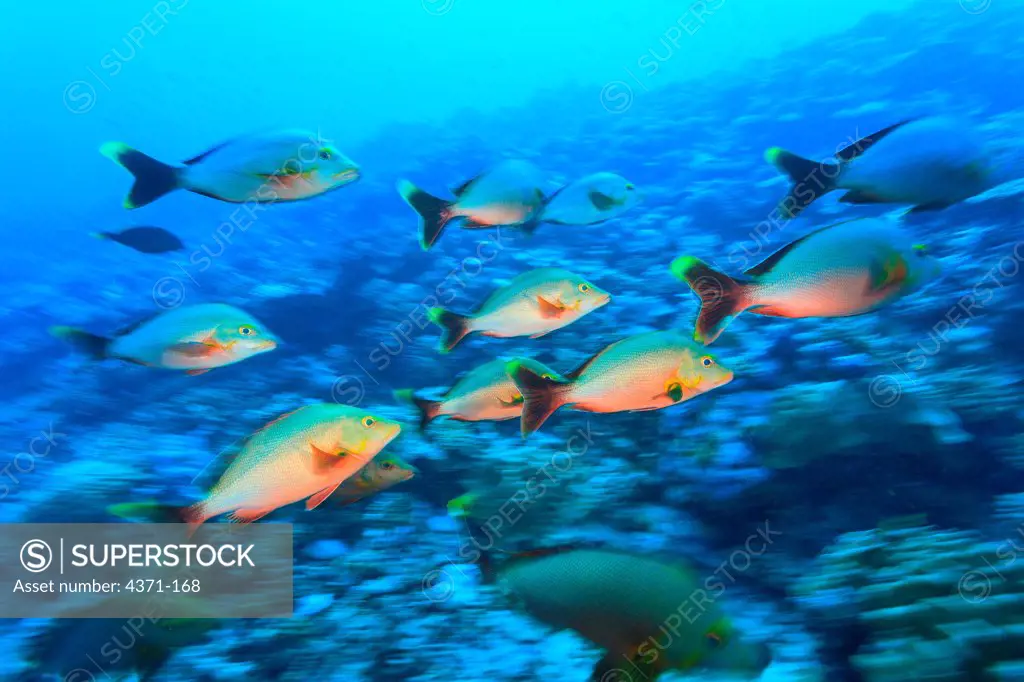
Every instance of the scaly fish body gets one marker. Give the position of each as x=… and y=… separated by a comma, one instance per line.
x=307, y=453
x=534, y=303
x=194, y=338
x=648, y=371
x=266, y=167
x=621, y=602
x=930, y=163
x=485, y=393
x=591, y=200
x=512, y=193
x=841, y=270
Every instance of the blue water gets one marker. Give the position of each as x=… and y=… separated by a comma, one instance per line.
x=831, y=429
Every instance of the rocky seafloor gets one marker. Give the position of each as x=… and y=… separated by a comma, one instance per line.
x=830, y=430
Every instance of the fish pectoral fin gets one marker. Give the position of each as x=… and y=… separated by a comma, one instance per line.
x=247, y=515
x=549, y=309
x=318, y=499
x=675, y=392
x=888, y=273
x=196, y=349
x=516, y=400
x=196, y=372
x=325, y=461
x=601, y=201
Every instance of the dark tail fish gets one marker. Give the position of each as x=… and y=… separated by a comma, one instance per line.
x=153, y=178
x=454, y=327
x=434, y=213
x=429, y=409
x=721, y=297
x=542, y=395
x=814, y=179
x=93, y=345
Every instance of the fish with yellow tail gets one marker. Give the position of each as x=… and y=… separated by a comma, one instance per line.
x=639, y=610
x=305, y=454
x=649, y=371
x=846, y=269
x=533, y=303
x=193, y=338
x=265, y=167
x=485, y=393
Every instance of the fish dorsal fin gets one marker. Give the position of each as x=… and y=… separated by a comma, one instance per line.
x=542, y=552
x=575, y=374
x=863, y=144
x=215, y=148
x=125, y=331
x=771, y=261
x=461, y=189
x=273, y=421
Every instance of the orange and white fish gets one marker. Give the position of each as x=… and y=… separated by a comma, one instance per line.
x=194, y=338
x=648, y=371
x=266, y=167
x=302, y=455
x=512, y=193
x=532, y=304
x=845, y=269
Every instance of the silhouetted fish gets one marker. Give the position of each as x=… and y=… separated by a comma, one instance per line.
x=144, y=239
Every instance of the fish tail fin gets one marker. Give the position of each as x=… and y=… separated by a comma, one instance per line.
x=193, y=516
x=429, y=409
x=93, y=345
x=721, y=297
x=434, y=212
x=153, y=178
x=542, y=395
x=811, y=179
x=455, y=327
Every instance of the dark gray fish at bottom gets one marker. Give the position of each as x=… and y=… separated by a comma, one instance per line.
x=144, y=239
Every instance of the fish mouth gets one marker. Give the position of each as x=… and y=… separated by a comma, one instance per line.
x=603, y=299
x=346, y=176
x=266, y=344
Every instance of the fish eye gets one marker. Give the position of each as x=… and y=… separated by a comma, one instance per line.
x=369, y=421
x=325, y=154
x=387, y=466
x=713, y=639
x=583, y=287
x=707, y=361
x=246, y=331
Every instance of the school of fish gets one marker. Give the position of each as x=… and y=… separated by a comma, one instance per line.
x=619, y=601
